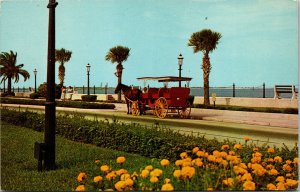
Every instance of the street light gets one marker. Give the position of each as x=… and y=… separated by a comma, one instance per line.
x=35, y=72
x=180, y=60
x=88, y=68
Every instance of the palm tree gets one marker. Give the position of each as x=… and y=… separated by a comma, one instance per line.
x=9, y=69
x=118, y=55
x=62, y=56
x=205, y=41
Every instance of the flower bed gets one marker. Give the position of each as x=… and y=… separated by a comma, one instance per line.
x=223, y=169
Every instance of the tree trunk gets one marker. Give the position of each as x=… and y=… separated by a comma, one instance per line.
x=61, y=74
x=9, y=85
x=206, y=71
x=119, y=75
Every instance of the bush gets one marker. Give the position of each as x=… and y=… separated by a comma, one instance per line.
x=34, y=95
x=89, y=98
x=73, y=104
x=42, y=90
x=153, y=142
x=6, y=94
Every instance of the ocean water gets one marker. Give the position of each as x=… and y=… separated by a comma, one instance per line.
x=220, y=92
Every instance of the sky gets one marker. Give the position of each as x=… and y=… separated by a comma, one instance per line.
x=259, y=41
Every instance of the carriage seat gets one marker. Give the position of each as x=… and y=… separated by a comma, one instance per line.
x=179, y=95
x=150, y=93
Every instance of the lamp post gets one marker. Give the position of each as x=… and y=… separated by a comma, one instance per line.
x=180, y=60
x=88, y=68
x=50, y=109
x=35, y=72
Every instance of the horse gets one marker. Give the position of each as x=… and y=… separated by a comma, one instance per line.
x=131, y=94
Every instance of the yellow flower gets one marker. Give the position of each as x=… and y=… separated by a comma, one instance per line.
x=247, y=139
x=280, y=179
x=156, y=173
x=167, y=180
x=271, y=150
x=167, y=187
x=210, y=189
x=286, y=168
x=177, y=173
x=246, y=177
x=121, y=171
x=98, y=179
x=120, y=185
x=291, y=182
x=224, y=163
x=278, y=159
x=104, y=168
x=187, y=162
x=80, y=188
x=81, y=177
x=164, y=162
x=228, y=182
x=249, y=185
x=178, y=162
x=281, y=186
x=149, y=167
x=273, y=172
x=195, y=150
x=129, y=182
x=153, y=179
x=183, y=155
x=197, y=162
x=237, y=146
x=111, y=176
x=145, y=173
x=271, y=187
x=224, y=147
x=296, y=161
x=125, y=177
x=238, y=170
x=121, y=159
x=188, y=172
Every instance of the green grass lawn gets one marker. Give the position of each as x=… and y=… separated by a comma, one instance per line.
x=19, y=168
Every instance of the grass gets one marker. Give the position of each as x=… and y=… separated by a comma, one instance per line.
x=19, y=168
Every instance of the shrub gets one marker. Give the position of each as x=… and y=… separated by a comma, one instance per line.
x=34, y=95
x=6, y=94
x=89, y=98
x=153, y=142
x=42, y=90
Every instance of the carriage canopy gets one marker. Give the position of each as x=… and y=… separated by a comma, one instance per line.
x=165, y=79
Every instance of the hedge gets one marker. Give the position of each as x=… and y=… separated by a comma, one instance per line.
x=73, y=104
x=153, y=142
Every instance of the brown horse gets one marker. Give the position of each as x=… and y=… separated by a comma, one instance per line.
x=131, y=94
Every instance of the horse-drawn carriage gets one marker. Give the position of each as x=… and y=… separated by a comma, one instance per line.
x=162, y=101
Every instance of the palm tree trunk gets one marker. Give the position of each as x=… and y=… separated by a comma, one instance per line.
x=9, y=85
x=119, y=75
x=61, y=74
x=206, y=71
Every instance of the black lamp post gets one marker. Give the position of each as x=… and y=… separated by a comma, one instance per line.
x=35, y=72
x=180, y=60
x=88, y=68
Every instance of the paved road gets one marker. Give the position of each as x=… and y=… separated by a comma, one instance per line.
x=261, y=127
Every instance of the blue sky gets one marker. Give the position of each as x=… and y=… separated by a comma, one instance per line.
x=259, y=39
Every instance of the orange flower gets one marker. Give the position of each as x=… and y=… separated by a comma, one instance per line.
x=280, y=179
x=247, y=177
x=271, y=150
x=197, y=162
x=247, y=139
x=80, y=188
x=296, y=161
x=156, y=173
x=104, y=168
x=164, y=162
x=271, y=187
x=121, y=160
x=211, y=158
x=249, y=185
x=188, y=172
x=145, y=173
x=200, y=154
x=286, y=168
x=195, y=150
x=177, y=173
x=120, y=185
x=153, y=179
x=81, y=177
x=281, y=186
x=167, y=187
x=98, y=179
x=124, y=177
x=121, y=171
x=129, y=182
x=291, y=182
x=178, y=162
x=237, y=146
x=255, y=149
x=111, y=176
x=278, y=159
x=273, y=172
x=228, y=182
x=149, y=167
x=97, y=161
x=231, y=153
x=224, y=147
x=183, y=155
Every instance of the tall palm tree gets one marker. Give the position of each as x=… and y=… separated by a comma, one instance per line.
x=10, y=70
x=62, y=56
x=205, y=41
x=118, y=55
